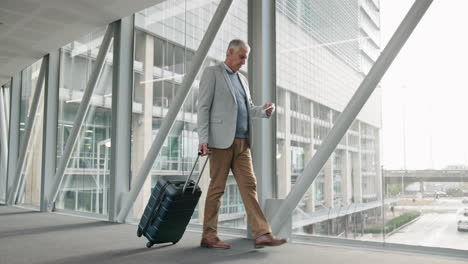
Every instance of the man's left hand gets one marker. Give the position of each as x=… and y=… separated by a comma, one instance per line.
x=269, y=108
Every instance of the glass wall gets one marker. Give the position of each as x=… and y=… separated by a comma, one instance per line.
x=324, y=51
x=165, y=42
x=85, y=186
x=319, y=66
x=425, y=161
x=30, y=186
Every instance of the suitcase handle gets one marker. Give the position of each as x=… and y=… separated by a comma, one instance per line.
x=200, y=175
x=191, y=173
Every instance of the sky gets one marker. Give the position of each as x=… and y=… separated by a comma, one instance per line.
x=425, y=90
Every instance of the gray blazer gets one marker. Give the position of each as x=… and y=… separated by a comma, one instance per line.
x=217, y=108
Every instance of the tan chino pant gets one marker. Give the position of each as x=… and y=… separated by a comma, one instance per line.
x=239, y=159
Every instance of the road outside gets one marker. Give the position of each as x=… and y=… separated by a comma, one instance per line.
x=437, y=226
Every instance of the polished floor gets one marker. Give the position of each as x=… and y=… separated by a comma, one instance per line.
x=27, y=236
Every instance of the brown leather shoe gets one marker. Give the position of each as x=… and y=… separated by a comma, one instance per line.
x=268, y=240
x=214, y=243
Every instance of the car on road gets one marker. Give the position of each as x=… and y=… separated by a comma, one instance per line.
x=462, y=224
x=439, y=194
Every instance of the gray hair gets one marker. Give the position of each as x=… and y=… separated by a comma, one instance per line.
x=236, y=44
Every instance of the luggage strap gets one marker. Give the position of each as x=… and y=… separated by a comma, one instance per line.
x=159, y=200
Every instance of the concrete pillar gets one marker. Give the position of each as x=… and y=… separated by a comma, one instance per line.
x=143, y=127
x=357, y=175
x=357, y=172
x=347, y=186
x=421, y=187
x=328, y=191
x=284, y=163
x=308, y=153
x=346, y=225
x=378, y=169
x=346, y=175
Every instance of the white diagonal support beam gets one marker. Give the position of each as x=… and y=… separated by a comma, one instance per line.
x=176, y=104
x=80, y=116
x=353, y=108
x=27, y=132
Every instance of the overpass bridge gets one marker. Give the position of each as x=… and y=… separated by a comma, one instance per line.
x=409, y=176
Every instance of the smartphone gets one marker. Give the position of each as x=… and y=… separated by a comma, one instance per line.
x=265, y=109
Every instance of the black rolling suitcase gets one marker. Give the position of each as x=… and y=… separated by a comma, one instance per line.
x=169, y=209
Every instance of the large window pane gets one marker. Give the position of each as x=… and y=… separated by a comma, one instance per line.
x=30, y=186
x=165, y=42
x=320, y=50
x=85, y=186
x=425, y=161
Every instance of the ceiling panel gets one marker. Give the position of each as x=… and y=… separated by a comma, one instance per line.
x=29, y=29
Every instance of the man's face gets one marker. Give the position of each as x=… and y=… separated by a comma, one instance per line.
x=237, y=58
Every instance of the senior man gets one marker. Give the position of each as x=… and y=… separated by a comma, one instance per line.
x=225, y=110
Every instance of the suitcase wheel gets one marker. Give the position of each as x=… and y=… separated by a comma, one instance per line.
x=139, y=233
x=149, y=244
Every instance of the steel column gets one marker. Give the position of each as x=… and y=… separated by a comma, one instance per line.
x=262, y=78
x=122, y=84
x=49, y=138
x=3, y=143
x=7, y=103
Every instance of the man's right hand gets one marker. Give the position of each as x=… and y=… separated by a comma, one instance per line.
x=203, y=148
